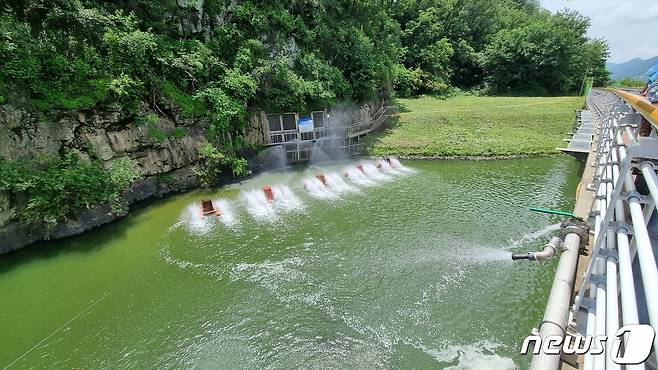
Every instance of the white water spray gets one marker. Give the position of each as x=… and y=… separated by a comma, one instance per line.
x=317, y=189
x=356, y=176
x=373, y=172
x=285, y=199
x=227, y=216
x=257, y=204
x=336, y=183
x=396, y=165
x=386, y=167
x=530, y=237
x=193, y=219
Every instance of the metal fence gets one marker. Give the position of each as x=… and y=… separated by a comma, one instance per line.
x=620, y=286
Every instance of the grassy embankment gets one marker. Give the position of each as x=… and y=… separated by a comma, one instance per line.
x=469, y=126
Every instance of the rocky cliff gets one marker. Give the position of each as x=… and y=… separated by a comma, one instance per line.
x=165, y=147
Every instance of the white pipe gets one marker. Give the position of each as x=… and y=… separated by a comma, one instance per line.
x=599, y=360
x=646, y=258
x=557, y=309
x=612, y=303
x=588, y=362
x=626, y=280
x=597, y=316
x=601, y=299
x=650, y=179
x=592, y=312
x=612, y=295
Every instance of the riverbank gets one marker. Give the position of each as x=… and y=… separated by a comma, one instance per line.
x=471, y=127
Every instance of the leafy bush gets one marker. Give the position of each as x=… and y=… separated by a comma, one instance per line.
x=56, y=189
x=213, y=162
x=179, y=132
x=224, y=111
x=188, y=105
x=124, y=172
x=157, y=135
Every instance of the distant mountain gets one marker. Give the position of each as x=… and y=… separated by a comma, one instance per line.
x=634, y=68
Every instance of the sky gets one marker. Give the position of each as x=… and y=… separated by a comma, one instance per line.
x=630, y=26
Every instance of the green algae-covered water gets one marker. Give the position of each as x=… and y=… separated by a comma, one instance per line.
x=393, y=269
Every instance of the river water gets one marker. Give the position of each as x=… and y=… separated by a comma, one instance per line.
x=389, y=269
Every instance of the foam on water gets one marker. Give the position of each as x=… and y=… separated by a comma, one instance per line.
x=373, y=172
x=227, y=217
x=357, y=177
x=193, y=219
x=336, y=183
x=475, y=356
x=317, y=189
x=280, y=279
x=195, y=267
x=395, y=163
x=257, y=205
x=285, y=199
x=386, y=167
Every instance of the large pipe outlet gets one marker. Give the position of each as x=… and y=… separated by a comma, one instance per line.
x=550, y=249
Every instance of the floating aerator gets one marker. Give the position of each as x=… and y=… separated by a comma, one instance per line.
x=207, y=209
x=268, y=193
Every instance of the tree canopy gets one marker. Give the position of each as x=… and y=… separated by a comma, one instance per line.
x=221, y=58
x=214, y=61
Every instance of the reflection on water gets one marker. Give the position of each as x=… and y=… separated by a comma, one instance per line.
x=376, y=266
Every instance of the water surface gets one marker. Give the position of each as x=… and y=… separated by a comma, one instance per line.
x=394, y=271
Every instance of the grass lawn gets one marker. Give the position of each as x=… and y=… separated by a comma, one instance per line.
x=470, y=126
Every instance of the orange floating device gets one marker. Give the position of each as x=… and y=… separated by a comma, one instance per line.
x=268, y=193
x=207, y=209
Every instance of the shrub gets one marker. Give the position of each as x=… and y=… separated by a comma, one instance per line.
x=213, y=162
x=188, y=105
x=179, y=132
x=157, y=135
x=56, y=189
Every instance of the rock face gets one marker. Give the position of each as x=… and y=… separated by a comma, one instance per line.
x=258, y=132
x=165, y=160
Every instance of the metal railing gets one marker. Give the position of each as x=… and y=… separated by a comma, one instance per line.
x=622, y=250
x=640, y=105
